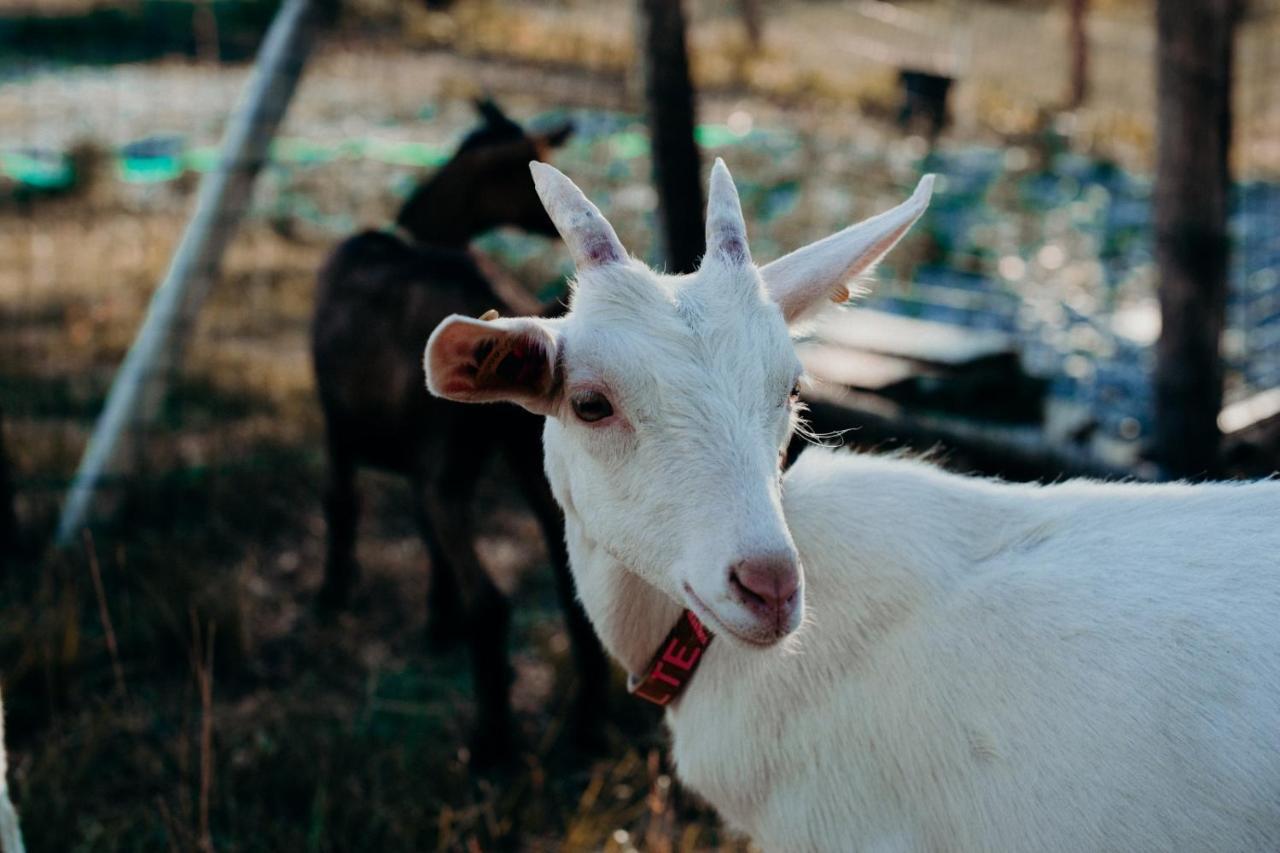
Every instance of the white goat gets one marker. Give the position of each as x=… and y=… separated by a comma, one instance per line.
x=981, y=666
x=10, y=835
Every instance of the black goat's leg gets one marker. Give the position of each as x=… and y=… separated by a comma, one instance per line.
x=486, y=613
x=342, y=514
x=590, y=705
x=8, y=517
x=444, y=601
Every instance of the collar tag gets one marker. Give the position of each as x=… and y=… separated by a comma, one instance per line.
x=675, y=662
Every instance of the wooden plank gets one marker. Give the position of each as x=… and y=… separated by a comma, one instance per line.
x=911, y=338
x=1022, y=453
x=1244, y=414
x=855, y=368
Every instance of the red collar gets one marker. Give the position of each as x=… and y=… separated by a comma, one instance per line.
x=675, y=662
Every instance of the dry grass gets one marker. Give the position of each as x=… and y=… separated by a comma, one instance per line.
x=171, y=689
x=169, y=686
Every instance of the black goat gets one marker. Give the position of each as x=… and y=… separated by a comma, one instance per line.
x=380, y=295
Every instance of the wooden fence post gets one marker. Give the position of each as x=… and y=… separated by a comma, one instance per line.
x=8, y=518
x=669, y=102
x=224, y=195
x=1194, y=58
x=1078, y=42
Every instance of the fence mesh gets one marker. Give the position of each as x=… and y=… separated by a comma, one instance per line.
x=1041, y=228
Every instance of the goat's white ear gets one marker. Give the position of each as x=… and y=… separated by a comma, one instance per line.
x=589, y=237
x=804, y=280
x=484, y=361
x=726, y=229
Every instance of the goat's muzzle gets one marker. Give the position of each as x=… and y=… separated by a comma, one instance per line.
x=768, y=587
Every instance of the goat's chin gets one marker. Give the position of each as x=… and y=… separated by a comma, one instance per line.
x=747, y=632
x=755, y=638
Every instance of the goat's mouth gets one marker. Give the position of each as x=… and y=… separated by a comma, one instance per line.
x=761, y=640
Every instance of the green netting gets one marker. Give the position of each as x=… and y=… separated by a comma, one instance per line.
x=716, y=136
x=42, y=171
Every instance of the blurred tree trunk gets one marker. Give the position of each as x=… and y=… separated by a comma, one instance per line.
x=1194, y=41
x=752, y=21
x=206, y=32
x=8, y=521
x=669, y=103
x=1078, y=12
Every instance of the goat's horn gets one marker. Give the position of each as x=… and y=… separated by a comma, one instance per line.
x=491, y=314
x=590, y=238
x=726, y=229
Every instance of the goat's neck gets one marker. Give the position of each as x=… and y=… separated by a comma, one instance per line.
x=916, y=535
x=882, y=540
x=631, y=616
x=439, y=213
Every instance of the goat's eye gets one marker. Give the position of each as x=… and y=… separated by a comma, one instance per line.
x=591, y=406
x=795, y=392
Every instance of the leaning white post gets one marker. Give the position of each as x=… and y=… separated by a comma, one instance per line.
x=10, y=833
x=224, y=194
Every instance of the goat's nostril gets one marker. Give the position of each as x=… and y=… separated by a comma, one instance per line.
x=769, y=583
x=746, y=592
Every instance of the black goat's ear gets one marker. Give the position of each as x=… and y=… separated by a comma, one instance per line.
x=491, y=112
x=558, y=136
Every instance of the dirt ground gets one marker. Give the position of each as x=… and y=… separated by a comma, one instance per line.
x=169, y=684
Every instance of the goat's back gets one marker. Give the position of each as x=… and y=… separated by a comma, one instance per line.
x=996, y=667
x=378, y=300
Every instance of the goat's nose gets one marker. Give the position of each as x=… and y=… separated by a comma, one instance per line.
x=767, y=586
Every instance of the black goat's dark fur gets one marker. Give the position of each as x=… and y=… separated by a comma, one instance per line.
x=380, y=296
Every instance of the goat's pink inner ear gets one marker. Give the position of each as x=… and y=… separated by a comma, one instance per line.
x=512, y=362
x=472, y=361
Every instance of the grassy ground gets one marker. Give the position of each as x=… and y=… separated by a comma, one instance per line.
x=167, y=681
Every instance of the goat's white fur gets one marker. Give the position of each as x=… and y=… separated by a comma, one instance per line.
x=982, y=666
x=10, y=834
